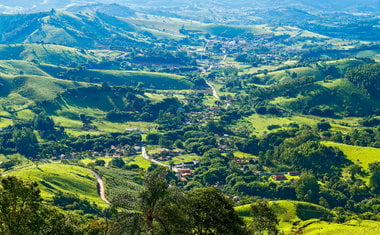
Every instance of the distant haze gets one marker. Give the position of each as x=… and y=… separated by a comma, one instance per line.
x=355, y=6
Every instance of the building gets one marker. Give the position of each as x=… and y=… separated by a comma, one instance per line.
x=185, y=172
x=279, y=177
x=294, y=173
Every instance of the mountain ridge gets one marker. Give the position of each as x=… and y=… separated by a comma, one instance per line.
x=21, y=6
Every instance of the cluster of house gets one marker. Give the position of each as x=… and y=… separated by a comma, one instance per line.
x=121, y=151
x=165, y=154
x=201, y=117
x=225, y=148
x=185, y=169
x=278, y=176
x=113, y=151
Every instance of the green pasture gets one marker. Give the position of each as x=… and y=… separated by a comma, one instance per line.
x=140, y=161
x=357, y=227
x=183, y=158
x=357, y=154
x=290, y=213
x=55, y=177
x=244, y=155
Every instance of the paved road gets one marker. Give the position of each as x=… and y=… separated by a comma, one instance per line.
x=147, y=157
x=102, y=192
x=214, y=93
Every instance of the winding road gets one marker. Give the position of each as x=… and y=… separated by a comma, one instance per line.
x=102, y=192
x=215, y=94
x=145, y=155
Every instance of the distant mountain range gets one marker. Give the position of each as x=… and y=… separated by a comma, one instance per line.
x=86, y=30
x=353, y=6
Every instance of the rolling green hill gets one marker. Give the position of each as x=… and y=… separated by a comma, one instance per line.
x=319, y=90
x=55, y=177
x=336, y=69
x=47, y=53
x=290, y=213
x=18, y=91
x=118, y=77
x=305, y=218
x=357, y=154
x=70, y=29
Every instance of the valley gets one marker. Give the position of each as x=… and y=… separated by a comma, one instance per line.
x=266, y=109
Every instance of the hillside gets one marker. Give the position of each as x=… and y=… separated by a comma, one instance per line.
x=361, y=155
x=307, y=218
x=47, y=53
x=119, y=77
x=291, y=214
x=353, y=6
x=53, y=178
x=69, y=29
x=17, y=91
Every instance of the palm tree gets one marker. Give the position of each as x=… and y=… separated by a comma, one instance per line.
x=158, y=209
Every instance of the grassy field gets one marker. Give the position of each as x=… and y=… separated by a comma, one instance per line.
x=183, y=158
x=52, y=54
x=54, y=177
x=365, y=227
x=302, y=217
x=357, y=154
x=288, y=179
x=107, y=126
x=91, y=160
x=74, y=127
x=4, y=122
x=290, y=213
x=16, y=156
x=120, y=77
x=244, y=155
x=305, y=218
x=314, y=71
x=20, y=90
x=20, y=67
x=260, y=123
x=140, y=161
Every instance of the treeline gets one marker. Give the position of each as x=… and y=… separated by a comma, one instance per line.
x=161, y=56
x=23, y=140
x=366, y=77
x=158, y=209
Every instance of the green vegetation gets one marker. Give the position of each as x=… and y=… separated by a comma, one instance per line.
x=292, y=215
x=293, y=131
x=357, y=154
x=118, y=77
x=54, y=177
x=48, y=54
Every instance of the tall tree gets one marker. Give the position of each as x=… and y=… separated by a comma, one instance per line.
x=264, y=218
x=212, y=213
x=26, y=142
x=307, y=187
x=158, y=209
x=374, y=181
x=23, y=212
x=20, y=207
